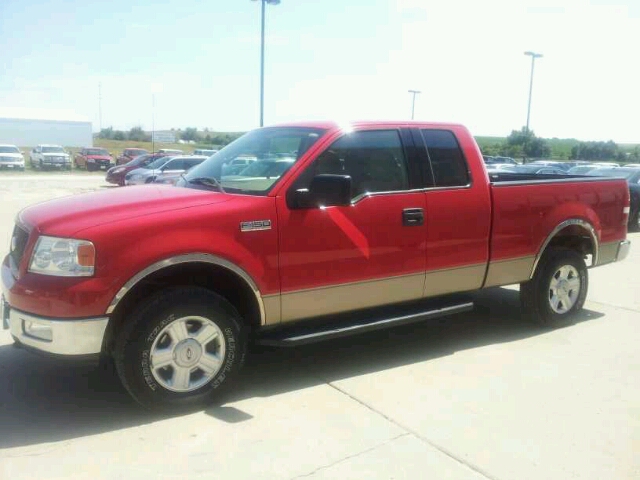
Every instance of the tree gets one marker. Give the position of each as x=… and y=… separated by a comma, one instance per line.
x=525, y=143
x=106, y=133
x=137, y=134
x=119, y=135
x=189, y=134
x=597, y=151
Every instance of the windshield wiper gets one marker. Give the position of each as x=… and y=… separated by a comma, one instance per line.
x=206, y=181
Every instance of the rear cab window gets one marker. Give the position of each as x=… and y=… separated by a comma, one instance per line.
x=447, y=166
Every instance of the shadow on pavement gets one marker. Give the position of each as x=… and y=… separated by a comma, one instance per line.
x=46, y=401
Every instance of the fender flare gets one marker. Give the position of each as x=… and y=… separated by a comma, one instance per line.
x=567, y=223
x=189, y=258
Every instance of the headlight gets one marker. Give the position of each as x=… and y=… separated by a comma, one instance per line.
x=91, y=160
x=63, y=257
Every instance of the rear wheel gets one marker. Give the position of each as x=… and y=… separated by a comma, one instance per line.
x=179, y=348
x=557, y=290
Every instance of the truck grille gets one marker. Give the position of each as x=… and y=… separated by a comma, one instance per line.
x=18, y=244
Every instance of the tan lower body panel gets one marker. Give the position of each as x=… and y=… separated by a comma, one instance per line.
x=352, y=296
x=608, y=252
x=507, y=272
x=462, y=279
x=271, y=309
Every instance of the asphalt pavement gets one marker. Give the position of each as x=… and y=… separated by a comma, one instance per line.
x=478, y=395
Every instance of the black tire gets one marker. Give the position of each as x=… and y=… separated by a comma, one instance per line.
x=150, y=180
x=41, y=165
x=145, y=324
x=535, y=294
x=634, y=223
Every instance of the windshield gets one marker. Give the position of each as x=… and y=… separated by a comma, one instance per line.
x=52, y=150
x=273, y=151
x=158, y=163
x=97, y=151
x=7, y=149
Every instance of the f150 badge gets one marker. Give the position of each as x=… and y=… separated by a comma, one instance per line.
x=255, y=225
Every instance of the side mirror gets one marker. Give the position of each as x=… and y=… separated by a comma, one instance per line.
x=325, y=191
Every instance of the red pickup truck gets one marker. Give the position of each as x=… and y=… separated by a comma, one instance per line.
x=332, y=230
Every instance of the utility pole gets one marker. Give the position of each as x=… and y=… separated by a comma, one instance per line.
x=100, y=105
x=413, y=101
x=153, y=122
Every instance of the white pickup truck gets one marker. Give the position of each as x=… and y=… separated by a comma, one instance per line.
x=11, y=157
x=50, y=156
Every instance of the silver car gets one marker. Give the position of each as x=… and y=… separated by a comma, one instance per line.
x=165, y=168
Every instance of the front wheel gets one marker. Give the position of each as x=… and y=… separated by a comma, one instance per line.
x=179, y=348
x=558, y=288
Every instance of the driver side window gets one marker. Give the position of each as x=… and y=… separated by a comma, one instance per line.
x=374, y=159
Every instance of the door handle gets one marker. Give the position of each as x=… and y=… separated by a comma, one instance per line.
x=412, y=217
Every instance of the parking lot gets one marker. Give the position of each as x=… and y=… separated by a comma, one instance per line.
x=477, y=395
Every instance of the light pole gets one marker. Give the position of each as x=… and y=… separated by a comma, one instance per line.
x=413, y=101
x=264, y=3
x=533, y=56
x=155, y=88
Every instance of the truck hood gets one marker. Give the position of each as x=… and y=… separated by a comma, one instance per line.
x=98, y=157
x=55, y=154
x=68, y=215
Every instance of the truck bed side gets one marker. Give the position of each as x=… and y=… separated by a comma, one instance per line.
x=531, y=213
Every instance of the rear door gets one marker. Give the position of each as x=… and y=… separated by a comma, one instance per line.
x=458, y=212
x=340, y=258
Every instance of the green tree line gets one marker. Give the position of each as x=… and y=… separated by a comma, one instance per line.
x=525, y=144
x=189, y=134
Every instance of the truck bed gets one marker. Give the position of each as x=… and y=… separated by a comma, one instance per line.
x=527, y=208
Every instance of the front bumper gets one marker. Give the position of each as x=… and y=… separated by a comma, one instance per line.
x=12, y=165
x=55, y=336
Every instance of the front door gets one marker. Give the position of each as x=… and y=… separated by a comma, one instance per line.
x=341, y=258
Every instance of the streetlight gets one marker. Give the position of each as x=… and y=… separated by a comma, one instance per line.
x=264, y=3
x=413, y=102
x=533, y=56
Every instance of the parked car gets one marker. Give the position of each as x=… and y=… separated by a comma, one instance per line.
x=93, y=159
x=11, y=158
x=116, y=174
x=129, y=154
x=170, y=173
x=170, y=151
x=538, y=169
x=169, y=167
x=505, y=160
x=582, y=169
x=632, y=176
x=172, y=281
x=50, y=156
x=205, y=152
x=565, y=166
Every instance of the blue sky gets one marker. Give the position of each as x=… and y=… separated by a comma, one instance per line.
x=329, y=59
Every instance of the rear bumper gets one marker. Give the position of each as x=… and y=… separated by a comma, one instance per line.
x=59, y=337
x=623, y=250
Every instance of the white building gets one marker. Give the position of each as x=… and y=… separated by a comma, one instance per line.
x=29, y=127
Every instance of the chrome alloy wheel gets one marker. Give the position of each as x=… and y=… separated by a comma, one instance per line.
x=564, y=289
x=187, y=354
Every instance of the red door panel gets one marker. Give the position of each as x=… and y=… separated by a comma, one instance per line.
x=337, y=245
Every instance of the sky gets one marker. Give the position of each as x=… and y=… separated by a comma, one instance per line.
x=198, y=63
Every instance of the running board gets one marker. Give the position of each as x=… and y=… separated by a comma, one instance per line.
x=304, y=334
